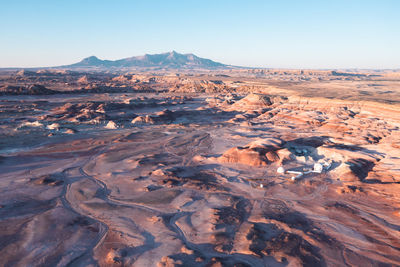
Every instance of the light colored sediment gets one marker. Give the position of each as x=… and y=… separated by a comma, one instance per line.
x=182, y=187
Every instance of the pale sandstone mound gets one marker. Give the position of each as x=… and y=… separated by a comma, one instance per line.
x=92, y=112
x=29, y=124
x=125, y=78
x=111, y=125
x=53, y=126
x=251, y=102
x=142, y=120
x=164, y=116
x=257, y=153
x=83, y=80
x=243, y=155
x=69, y=131
x=23, y=73
x=199, y=86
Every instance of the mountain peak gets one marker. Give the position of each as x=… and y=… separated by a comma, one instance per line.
x=92, y=60
x=168, y=60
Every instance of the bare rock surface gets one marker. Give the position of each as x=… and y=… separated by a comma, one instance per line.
x=199, y=179
x=34, y=89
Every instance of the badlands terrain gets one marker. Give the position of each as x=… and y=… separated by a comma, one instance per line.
x=238, y=167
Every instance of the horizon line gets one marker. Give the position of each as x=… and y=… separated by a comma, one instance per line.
x=65, y=66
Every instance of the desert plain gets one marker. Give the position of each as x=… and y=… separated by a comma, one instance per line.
x=204, y=168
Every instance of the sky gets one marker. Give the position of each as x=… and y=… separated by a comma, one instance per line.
x=272, y=34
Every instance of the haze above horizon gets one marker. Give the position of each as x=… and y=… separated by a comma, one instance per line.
x=271, y=34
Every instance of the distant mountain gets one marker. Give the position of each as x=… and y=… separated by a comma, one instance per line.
x=171, y=60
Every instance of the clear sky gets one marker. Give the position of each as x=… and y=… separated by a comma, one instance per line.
x=280, y=33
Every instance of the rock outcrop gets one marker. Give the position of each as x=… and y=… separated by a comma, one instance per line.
x=34, y=89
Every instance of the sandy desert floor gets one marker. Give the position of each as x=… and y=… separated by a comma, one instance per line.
x=190, y=179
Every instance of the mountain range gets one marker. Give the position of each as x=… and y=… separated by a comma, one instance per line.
x=170, y=60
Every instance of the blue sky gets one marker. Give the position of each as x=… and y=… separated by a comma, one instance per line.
x=280, y=33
